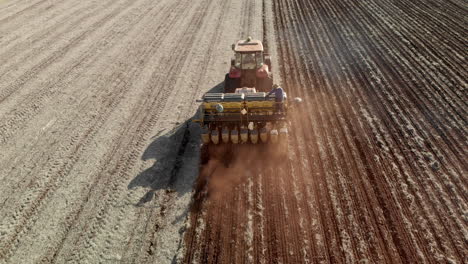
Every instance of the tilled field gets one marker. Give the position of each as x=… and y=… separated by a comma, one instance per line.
x=376, y=171
x=99, y=164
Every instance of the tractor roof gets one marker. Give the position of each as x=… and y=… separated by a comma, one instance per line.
x=248, y=45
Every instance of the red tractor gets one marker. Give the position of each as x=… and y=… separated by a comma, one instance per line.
x=250, y=67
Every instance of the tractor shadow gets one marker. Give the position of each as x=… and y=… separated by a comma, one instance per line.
x=176, y=156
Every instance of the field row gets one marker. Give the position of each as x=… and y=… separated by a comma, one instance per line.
x=377, y=154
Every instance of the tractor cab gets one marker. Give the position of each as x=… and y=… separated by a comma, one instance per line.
x=250, y=67
x=248, y=54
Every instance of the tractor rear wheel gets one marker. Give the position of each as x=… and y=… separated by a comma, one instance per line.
x=265, y=84
x=230, y=84
x=204, y=154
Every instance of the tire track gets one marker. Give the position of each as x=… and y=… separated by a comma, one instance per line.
x=38, y=98
x=17, y=39
x=76, y=149
x=106, y=179
x=27, y=29
x=167, y=84
x=204, y=64
x=60, y=53
x=15, y=119
x=18, y=14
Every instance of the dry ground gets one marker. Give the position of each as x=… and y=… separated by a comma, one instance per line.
x=94, y=96
x=98, y=163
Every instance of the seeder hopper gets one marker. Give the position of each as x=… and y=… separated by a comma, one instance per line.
x=245, y=116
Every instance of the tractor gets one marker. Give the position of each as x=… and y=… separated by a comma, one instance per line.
x=250, y=67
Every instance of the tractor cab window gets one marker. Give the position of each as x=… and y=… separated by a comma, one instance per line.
x=248, y=61
x=259, y=57
x=238, y=60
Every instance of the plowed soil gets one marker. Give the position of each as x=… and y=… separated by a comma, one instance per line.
x=376, y=171
x=99, y=162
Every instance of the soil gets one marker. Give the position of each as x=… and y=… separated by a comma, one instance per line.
x=100, y=163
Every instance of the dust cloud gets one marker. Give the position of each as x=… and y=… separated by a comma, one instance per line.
x=230, y=166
